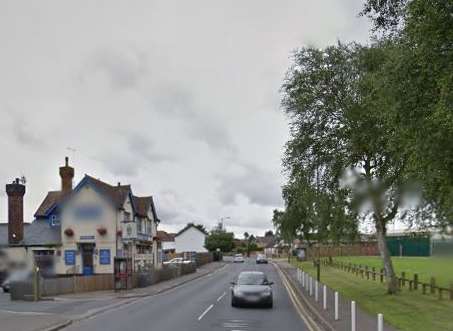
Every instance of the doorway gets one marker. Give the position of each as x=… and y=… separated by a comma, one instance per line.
x=87, y=258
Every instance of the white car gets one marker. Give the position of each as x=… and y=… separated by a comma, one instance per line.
x=177, y=260
x=238, y=258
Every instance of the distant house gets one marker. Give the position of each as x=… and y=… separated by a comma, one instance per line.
x=190, y=239
x=167, y=241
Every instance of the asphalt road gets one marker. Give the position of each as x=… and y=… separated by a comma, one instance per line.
x=203, y=304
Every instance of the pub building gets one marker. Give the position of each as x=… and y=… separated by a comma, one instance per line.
x=80, y=230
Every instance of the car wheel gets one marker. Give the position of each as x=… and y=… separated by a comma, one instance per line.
x=270, y=305
x=233, y=303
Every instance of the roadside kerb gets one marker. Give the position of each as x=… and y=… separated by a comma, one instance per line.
x=130, y=299
x=321, y=322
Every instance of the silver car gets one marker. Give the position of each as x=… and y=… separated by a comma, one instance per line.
x=252, y=288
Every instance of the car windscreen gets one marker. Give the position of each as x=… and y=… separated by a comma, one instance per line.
x=252, y=279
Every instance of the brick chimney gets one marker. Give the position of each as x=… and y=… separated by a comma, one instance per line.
x=66, y=174
x=15, y=192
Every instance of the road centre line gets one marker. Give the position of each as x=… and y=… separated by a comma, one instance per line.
x=205, y=312
x=221, y=297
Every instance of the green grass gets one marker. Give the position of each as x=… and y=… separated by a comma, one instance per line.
x=425, y=267
x=411, y=311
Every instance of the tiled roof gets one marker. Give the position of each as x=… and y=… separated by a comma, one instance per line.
x=39, y=232
x=188, y=226
x=116, y=193
x=3, y=234
x=142, y=205
x=165, y=236
x=52, y=198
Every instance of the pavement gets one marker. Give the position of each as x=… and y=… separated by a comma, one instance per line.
x=67, y=309
x=202, y=304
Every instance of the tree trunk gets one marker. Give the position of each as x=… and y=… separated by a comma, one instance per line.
x=392, y=283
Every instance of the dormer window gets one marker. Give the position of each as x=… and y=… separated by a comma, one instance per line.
x=54, y=220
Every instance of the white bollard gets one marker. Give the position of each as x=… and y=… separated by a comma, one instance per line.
x=336, y=306
x=380, y=322
x=353, y=316
x=316, y=291
x=303, y=279
x=298, y=275
x=311, y=286
x=324, y=297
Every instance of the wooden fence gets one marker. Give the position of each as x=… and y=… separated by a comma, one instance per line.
x=413, y=284
x=358, y=249
x=76, y=284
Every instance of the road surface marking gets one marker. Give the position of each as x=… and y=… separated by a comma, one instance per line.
x=25, y=312
x=311, y=325
x=205, y=312
x=221, y=297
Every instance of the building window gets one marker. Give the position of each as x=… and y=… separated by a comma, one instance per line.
x=127, y=216
x=54, y=220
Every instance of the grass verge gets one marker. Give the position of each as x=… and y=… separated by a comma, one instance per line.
x=426, y=267
x=411, y=311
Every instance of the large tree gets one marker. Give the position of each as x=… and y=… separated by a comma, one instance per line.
x=417, y=82
x=220, y=239
x=340, y=149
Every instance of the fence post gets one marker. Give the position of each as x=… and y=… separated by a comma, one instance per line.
x=415, y=281
x=367, y=273
x=451, y=291
x=380, y=322
x=374, y=273
x=336, y=306
x=440, y=293
x=318, y=271
x=424, y=288
x=303, y=279
x=382, y=275
x=324, y=296
x=353, y=316
x=403, y=279
x=316, y=291
x=433, y=285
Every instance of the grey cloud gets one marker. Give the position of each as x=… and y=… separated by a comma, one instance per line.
x=23, y=132
x=138, y=151
x=145, y=149
x=124, y=68
x=259, y=186
x=199, y=123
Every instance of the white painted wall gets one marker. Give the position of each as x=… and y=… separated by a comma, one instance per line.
x=168, y=245
x=88, y=227
x=191, y=240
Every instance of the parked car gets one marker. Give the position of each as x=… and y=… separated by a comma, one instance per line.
x=252, y=288
x=238, y=258
x=16, y=276
x=261, y=258
x=177, y=260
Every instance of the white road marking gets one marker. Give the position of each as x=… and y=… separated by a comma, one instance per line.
x=221, y=297
x=25, y=312
x=205, y=312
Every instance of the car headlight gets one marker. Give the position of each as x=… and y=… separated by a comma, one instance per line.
x=267, y=292
x=238, y=293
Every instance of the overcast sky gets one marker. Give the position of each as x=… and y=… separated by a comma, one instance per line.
x=180, y=99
